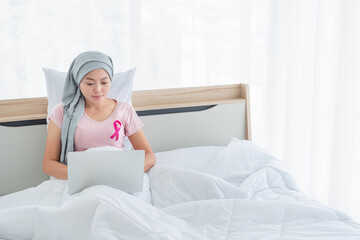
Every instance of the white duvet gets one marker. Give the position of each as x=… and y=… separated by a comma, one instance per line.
x=233, y=192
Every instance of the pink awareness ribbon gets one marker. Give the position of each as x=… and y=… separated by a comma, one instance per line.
x=117, y=127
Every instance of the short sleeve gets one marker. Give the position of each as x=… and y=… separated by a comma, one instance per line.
x=132, y=123
x=57, y=115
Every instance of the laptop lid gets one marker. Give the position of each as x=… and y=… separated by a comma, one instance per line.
x=123, y=170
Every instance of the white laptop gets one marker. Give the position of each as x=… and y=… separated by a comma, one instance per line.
x=123, y=170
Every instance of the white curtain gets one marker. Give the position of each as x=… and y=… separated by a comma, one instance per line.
x=301, y=58
x=307, y=108
x=173, y=43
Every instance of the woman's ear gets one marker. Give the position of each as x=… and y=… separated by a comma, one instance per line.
x=80, y=91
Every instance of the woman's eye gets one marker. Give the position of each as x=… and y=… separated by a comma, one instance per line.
x=105, y=83
x=89, y=84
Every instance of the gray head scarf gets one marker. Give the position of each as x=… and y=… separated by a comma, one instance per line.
x=72, y=100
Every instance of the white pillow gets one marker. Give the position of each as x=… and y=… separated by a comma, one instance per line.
x=192, y=158
x=239, y=159
x=121, y=89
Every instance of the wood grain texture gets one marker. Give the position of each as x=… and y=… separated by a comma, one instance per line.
x=23, y=109
x=186, y=97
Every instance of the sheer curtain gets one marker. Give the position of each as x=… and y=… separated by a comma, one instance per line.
x=309, y=111
x=173, y=43
x=300, y=57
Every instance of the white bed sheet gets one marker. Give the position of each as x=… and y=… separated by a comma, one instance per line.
x=233, y=192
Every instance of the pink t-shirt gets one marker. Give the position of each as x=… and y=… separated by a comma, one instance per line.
x=89, y=133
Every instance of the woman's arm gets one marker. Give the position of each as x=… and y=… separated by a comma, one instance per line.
x=139, y=142
x=51, y=164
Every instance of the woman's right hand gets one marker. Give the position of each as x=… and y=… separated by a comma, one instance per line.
x=51, y=164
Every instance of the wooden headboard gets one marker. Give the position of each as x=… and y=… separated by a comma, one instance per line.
x=173, y=118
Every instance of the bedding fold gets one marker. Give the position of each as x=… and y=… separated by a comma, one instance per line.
x=233, y=192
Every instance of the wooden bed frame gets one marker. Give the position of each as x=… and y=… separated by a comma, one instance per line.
x=173, y=118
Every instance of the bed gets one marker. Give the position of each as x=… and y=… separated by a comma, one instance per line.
x=210, y=181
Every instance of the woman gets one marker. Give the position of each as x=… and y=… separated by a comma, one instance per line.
x=87, y=118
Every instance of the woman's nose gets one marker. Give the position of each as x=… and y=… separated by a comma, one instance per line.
x=97, y=88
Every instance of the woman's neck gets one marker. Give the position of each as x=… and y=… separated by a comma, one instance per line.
x=98, y=106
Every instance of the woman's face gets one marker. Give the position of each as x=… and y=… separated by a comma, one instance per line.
x=95, y=86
